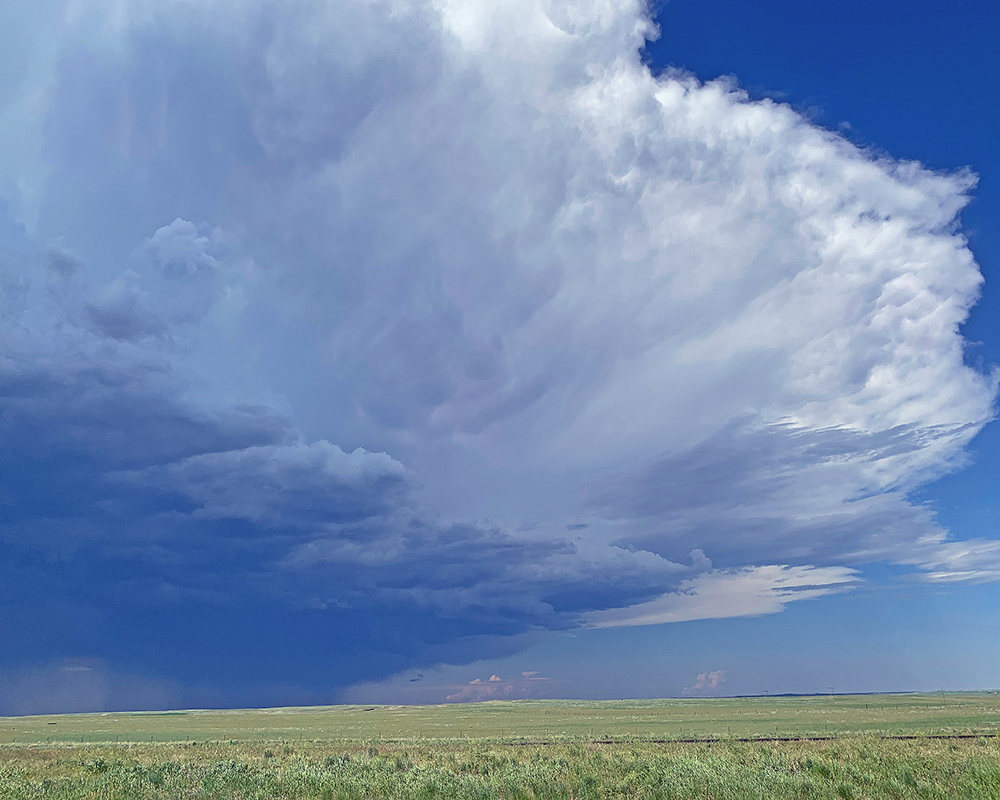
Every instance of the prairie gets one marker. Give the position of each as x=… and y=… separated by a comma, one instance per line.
x=519, y=750
x=863, y=767
x=902, y=714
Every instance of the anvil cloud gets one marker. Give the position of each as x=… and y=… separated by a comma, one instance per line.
x=344, y=338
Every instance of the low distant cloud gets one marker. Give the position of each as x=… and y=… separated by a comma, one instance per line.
x=707, y=682
x=529, y=684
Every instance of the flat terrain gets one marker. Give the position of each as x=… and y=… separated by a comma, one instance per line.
x=524, y=750
x=540, y=720
x=853, y=768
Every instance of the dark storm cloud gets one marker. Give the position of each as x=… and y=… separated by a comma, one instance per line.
x=173, y=536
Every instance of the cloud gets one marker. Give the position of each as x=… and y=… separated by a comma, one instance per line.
x=530, y=684
x=440, y=686
x=974, y=560
x=297, y=484
x=707, y=681
x=376, y=336
x=141, y=511
x=816, y=495
x=80, y=686
x=746, y=592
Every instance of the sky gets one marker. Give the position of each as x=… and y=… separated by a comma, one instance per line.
x=444, y=351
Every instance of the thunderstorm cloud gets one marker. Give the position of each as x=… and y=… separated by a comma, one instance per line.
x=347, y=338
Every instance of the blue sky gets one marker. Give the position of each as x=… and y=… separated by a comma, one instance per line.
x=369, y=353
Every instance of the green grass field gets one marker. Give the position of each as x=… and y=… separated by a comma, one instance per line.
x=853, y=768
x=517, y=751
x=535, y=720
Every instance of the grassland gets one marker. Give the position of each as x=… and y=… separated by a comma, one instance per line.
x=535, y=720
x=518, y=750
x=851, y=768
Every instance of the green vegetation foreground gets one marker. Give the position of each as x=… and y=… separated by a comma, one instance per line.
x=864, y=767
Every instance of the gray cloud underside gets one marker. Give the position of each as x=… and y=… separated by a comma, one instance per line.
x=477, y=329
x=130, y=505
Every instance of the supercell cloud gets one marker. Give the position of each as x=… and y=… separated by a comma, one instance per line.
x=346, y=338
